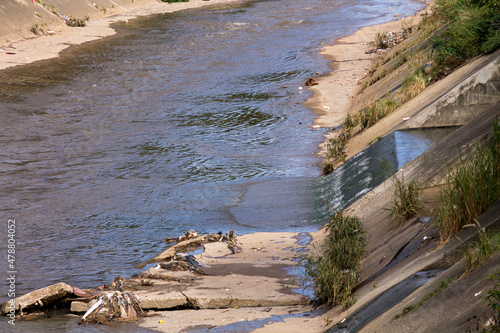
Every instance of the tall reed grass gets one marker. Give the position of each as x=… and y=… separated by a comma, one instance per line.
x=405, y=200
x=333, y=273
x=471, y=188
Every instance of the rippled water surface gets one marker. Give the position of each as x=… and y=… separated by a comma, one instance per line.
x=190, y=120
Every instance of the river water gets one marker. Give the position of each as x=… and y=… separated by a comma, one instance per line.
x=189, y=120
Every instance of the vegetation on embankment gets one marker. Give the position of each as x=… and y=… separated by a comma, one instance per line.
x=471, y=187
x=456, y=31
x=333, y=272
x=424, y=54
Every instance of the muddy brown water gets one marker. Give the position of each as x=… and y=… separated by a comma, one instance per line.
x=189, y=120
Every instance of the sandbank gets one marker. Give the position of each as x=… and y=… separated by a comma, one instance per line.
x=34, y=48
x=349, y=62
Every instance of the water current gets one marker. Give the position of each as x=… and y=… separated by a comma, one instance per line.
x=189, y=120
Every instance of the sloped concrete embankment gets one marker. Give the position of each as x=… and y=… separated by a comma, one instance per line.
x=452, y=101
x=397, y=254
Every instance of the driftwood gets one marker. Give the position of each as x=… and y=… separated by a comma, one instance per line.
x=186, y=243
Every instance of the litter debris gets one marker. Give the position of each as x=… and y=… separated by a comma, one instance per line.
x=113, y=306
x=187, y=242
x=121, y=284
x=188, y=235
x=310, y=82
x=183, y=263
x=406, y=118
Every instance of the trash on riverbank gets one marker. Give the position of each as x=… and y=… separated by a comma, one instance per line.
x=191, y=240
x=114, y=306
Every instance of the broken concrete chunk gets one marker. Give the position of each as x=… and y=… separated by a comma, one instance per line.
x=81, y=307
x=41, y=298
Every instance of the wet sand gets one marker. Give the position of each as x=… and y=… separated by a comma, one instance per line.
x=349, y=63
x=330, y=102
x=47, y=46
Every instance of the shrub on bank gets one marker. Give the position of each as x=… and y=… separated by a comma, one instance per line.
x=472, y=28
x=334, y=273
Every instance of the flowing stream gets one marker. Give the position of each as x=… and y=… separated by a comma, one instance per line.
x=189, y=120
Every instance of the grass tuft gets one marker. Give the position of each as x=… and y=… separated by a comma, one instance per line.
x=37, y=28
x=335, y=150
x=471, y=188
x=377, y=110
x=405, y=200
x=333, y=274
x=76, y=22
x=478, y=252
x=415, y=83
x=380, y=40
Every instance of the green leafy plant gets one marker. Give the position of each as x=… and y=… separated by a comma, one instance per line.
x=471, y=29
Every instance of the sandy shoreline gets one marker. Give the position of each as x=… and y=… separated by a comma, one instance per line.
x=47, y=46
x=331, y=101
x=349, y=63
